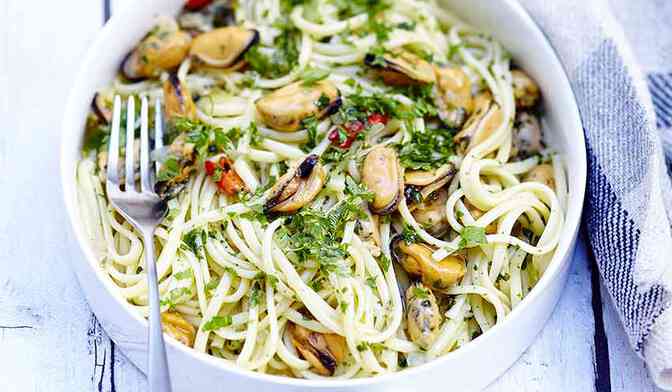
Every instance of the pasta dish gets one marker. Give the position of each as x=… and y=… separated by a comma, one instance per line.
x=353, y=186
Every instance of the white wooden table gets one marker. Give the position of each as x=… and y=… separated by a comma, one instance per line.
x=50, y=340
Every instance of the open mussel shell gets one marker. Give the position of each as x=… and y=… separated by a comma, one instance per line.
x=285, y=109
x=322, y=350
x=297, y=188
x=527, y=137
x=423, y=318
x=453, y=96
x=401, y=68
x=177, y=98
x=100, y=109
x=382, y=175
x=416, y=259
x=223, y=47
x=525, y=89
x=162, y=50
x=431, y=213
x=484, y=121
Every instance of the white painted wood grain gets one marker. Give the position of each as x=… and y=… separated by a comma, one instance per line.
x=44, y=344
x=565, y=345
x=51, y=341
x=628, y=371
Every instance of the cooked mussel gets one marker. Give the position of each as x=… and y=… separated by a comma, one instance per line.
x=401, y=68
x=485, y=120
x=381, y=173
x=184, y=153
x=454, y=99
x=177, y=98
x=322, y=350
x=428, y=181
x=416, y=259
x=284, y=109
x=224, y=47
x=100, y=109
x=177, y=327
x=525, y=89
x=422, y=315
x=297, y=187
x=542, y=174
x=163, y=49
x=431, y=213
x=527, y=139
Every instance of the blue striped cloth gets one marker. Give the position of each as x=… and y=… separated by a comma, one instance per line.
x=618, y=55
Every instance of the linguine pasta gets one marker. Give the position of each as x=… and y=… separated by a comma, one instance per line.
x=354, y=187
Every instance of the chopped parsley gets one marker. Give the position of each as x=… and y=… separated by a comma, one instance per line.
x=322, y=102
x=207, y=139
x=377, y=55
x=284, y=58
x=195, y=240
x=420, y=292
x=384, y=262
x=316, y=235
x=183, y=275
x=218, y=322
x=427, y=150
x=176, y=296
x=409, y=235
x=170, y=168
x=409, y=26
x=349, y=8
x=255, y=295
x=313, y=75
x=472, y=236
x=310, y=124
x=212, y=284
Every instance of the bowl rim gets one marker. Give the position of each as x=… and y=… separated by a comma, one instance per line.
x=68, y=184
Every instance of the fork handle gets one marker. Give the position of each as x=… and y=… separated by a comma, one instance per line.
x=157, y=362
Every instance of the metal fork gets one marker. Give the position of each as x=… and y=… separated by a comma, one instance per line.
x=144, y=209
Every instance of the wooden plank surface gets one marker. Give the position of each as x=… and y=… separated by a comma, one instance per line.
x=49, y=339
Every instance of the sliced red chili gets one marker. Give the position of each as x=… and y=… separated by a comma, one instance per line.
x=339, y=137
x=377, y=118
x=195, y=5
x=210, y=167
x=354, y=127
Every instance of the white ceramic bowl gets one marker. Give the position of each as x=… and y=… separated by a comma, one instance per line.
x=467, y=369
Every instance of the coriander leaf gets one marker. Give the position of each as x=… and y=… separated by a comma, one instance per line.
x=472, y=236
x=218, y=322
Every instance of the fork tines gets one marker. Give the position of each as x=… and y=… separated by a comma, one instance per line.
x=146, y=174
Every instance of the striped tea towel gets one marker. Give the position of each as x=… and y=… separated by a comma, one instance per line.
x=610, y=50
